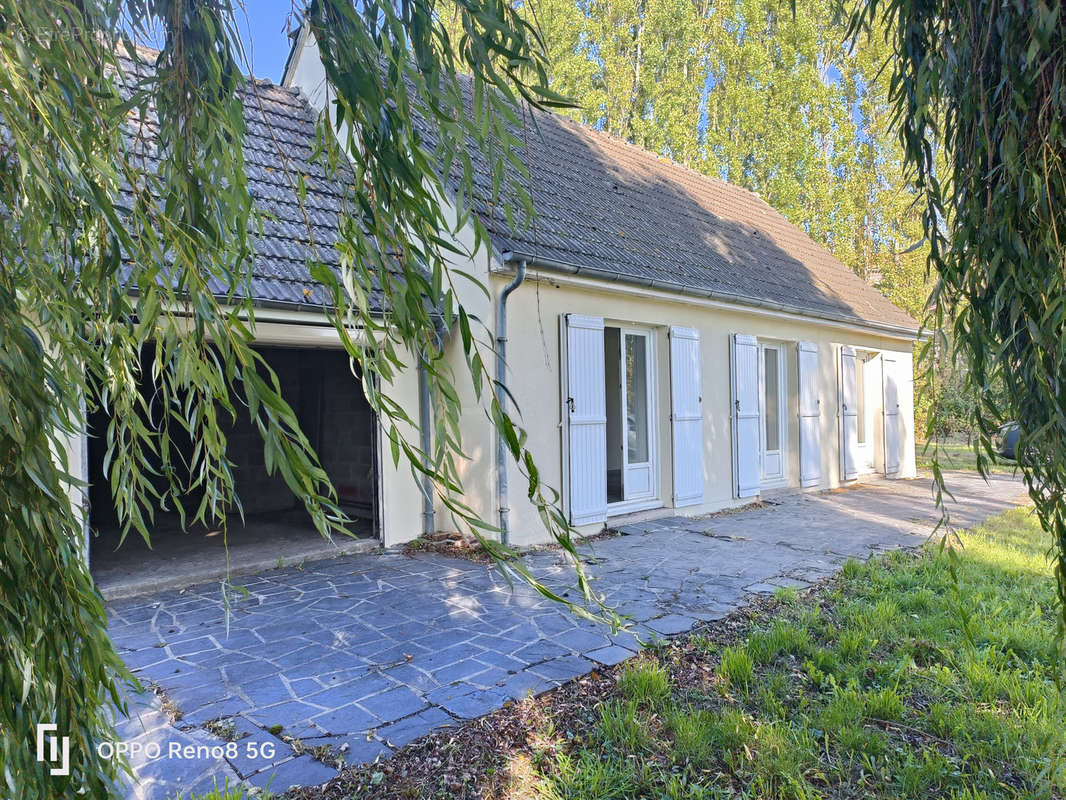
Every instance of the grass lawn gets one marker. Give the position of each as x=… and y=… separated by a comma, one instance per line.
x=866, y=687
x=956, y=454
x=871, y=690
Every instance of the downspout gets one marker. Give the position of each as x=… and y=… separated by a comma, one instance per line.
x=429, y=523
x=501, y=381
x=425, y=413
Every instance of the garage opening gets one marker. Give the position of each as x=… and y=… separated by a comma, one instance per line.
x=276, y=531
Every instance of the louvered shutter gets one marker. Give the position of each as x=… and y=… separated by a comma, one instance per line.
x=686, y=416
x=810, y=416
x=744, y=352
x=586, y=414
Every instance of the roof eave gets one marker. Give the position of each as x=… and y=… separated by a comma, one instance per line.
x=598, y=273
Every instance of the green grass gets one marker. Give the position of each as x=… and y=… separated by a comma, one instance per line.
x=644, y=681
x=895, y=681
x=736, y=668
x=956, y=455
x=224, y=792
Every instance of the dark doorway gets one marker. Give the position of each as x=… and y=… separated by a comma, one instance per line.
x=333, y=414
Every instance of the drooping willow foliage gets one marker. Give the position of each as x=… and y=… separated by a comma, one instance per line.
x=122, y=263
x=979, y=88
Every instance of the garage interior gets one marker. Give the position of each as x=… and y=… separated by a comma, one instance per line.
x=276, y=530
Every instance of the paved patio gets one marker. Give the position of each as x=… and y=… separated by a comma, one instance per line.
x=366, y=652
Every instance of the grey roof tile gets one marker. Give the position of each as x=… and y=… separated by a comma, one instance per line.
x=603, y=204
x=278, y=148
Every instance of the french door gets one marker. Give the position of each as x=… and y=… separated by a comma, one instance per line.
x=632, y=472
x=773, y=413
x=867, y=382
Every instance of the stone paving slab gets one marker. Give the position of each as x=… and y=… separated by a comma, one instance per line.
x=367, y=652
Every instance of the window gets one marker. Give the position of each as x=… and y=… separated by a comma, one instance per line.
x=629, y=374
x=860, y=396
x=771, y=400
x=636, y=398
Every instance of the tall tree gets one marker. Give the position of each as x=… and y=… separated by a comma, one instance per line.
x=763, y=93
x=122, y=170
x=632, y=67
x=979, y=103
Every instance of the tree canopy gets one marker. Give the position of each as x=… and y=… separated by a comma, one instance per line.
x=127, y=228
x=978, y=99
x=765, y=94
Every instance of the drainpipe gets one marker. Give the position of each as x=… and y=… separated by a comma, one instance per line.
x=501, y=381
x=425, y=412
x=429, y=524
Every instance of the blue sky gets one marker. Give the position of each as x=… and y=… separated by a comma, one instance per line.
x=263, y=29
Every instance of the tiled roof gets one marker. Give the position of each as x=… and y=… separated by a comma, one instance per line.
x=602, y=205
x=277, y=150
x=623, y=213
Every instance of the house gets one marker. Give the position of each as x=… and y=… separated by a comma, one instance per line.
x=674, y=345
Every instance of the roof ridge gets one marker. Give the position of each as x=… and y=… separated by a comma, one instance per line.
x=149, y=54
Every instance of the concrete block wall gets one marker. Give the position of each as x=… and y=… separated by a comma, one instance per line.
x=261, y=493
x=347, y=442
x=334, y=415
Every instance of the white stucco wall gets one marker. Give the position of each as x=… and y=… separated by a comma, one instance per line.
x=535, y=378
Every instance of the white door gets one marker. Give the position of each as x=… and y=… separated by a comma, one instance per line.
x=686, y=415
x=810, y=412
x=772, y=412
x=640, y=480
x=849, y=421
x=586, y=417
x=889, y=367
x=744, y=358
x=867, y=388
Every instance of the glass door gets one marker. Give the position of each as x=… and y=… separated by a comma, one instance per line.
x=630, y=405
x=772, y=396
x=639, y=464
x=865, y=380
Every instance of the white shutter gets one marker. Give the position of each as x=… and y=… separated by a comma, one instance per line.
x=586, y=415
x=686, y=415
x=892, y=438
x=810, y=412
x=744, y=353
x=849, y=416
